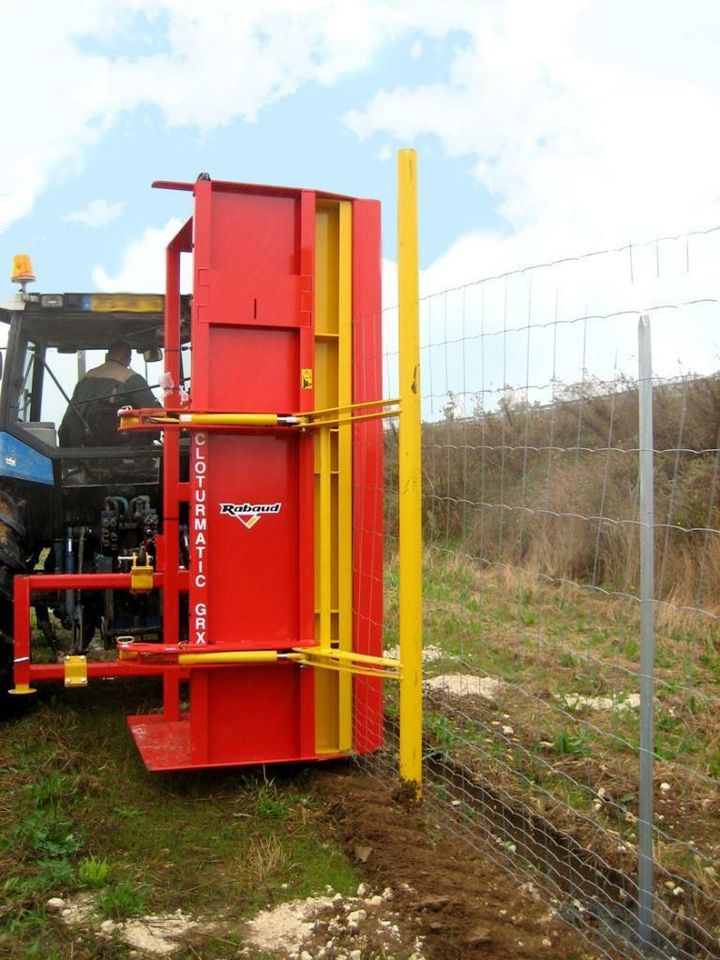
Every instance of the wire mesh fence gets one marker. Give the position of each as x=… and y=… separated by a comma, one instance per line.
x=538, y=622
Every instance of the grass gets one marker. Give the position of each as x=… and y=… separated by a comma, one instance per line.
x=550, y=643
x=93, y=873
x=79, y=814
x=502, y=456
x=118, y=901
x=441, y=732
x=574, y=744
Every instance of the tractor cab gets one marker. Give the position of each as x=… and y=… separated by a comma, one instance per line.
x=52, y=340
x=85, y=507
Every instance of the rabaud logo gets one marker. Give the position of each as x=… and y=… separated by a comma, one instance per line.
x=249, y=513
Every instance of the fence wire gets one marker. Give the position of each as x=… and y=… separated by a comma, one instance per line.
x=532, y=602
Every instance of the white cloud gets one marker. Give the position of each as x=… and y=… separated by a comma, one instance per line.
x=589, y=122
x=98, y=213
x=586, y=118
x=143, y=265
x=207, y=65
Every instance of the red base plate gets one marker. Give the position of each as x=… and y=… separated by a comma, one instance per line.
x=165, y=745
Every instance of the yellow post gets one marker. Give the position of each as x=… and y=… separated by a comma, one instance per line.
x=409, y=456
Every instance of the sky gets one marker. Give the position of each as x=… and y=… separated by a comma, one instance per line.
x=543, y=130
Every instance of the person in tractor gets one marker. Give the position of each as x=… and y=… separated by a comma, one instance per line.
x=91, y=418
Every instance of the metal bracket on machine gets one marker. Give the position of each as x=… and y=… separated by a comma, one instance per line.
x=347, y=661
x=341, y=416
x=76, y=671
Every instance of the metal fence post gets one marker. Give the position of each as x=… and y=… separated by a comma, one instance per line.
x=410, y=492
x=647, y=632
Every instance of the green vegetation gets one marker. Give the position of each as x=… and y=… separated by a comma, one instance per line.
x=572, y=743
x=442, y=733
x=121, y=900
x=520, y=484
x=80, y=816
x=93, y=873
x=552, y=646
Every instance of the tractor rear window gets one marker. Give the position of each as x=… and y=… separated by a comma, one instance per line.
x=63, y=370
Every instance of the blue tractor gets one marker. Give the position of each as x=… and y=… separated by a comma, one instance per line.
x=84, y=508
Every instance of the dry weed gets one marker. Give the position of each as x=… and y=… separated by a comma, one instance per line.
x=265, y=857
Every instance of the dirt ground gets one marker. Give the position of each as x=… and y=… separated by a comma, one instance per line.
x=459, y=902
x=76, y=800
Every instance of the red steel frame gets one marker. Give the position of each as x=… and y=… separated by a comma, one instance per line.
x=367, y=473
x=249, y=587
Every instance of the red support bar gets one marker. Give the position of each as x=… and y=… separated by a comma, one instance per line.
x=24, y=587
x=367, y=472
x=172, y=316
x=171, y=456
x=99, y=671
x=21, y=631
